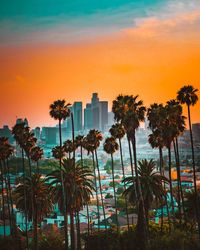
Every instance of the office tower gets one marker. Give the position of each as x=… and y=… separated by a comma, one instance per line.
x=77, y=112
x=95, y=111
x=196, y=132
x=111, y=120
x=37, y=132
x=103, y=115
x=88, y=120
x=50, y=135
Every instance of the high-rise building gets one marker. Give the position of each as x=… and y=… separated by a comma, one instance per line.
x=95, y=111
x=103, y=115
x=50, y=135
x=37, y=132
x=88, y=120
x=196, y=131
x=78, y=116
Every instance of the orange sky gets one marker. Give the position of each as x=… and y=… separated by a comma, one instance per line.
x=153, y=59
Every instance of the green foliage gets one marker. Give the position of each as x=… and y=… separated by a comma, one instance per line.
x=128, y=240
x=52, y=241
x=108, y=196
x=9, y=243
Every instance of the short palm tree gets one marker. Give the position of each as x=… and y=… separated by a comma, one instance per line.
x=59, y=110
x=42, y=200
x=78, y=185
x=110, y=147
x=151, y=185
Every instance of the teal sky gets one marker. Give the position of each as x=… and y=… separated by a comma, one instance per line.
x=71, y=21
x=24, y=21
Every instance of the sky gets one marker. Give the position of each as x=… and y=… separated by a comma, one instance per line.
x=55, y=49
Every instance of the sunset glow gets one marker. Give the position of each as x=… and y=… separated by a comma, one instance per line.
x=152, y=55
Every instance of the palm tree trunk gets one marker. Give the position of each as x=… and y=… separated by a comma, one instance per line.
x=35, y=222
x=115, y=198
x=95, y=182
x=122, y=163
x=7, y=197
x=78, y=231
x=38, y=170
x=100, y=187
x=181, y=188
x=63, y=193
x=72, y=230
x=3, y=203
x=163, y=173
x=88, y=214
x=25, y=200
x=194, y=172
x=10, y=195
x=138, y=186
x=131, y=161
x=161, y=167
x=170, y=184
x=178, y=182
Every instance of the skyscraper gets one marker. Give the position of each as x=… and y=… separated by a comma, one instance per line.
x=88, y=120
x=103, y=115
x=78, y=116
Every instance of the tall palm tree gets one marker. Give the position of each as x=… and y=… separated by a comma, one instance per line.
x=156, y=114
x=130, y=112
x=178, y=121
x=188, y=95
x=118, y=132
x=19, y=132
x=42, y=200
x=36, y=154
x=88, y=145
x=6, y=150
x=79, y=142
x=94, y=138
x=59, y=110
x=151, y=184
x=78, y=185
x=110, y=147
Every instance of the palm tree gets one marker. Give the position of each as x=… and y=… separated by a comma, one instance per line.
x=42, y=200
x=19, y=132
x=118, y=132
x=59, y=110
x=151, y=185
x=190, y=206
x=78, y=185
x=110, y=147
x=156, y=115
x=79, y=142
x=6, y=150
x=69, y=147
x=94, y=138
x=130, y=112
x=88, y=145
x=187, y=95
x=179, y=122
x=36, y=154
